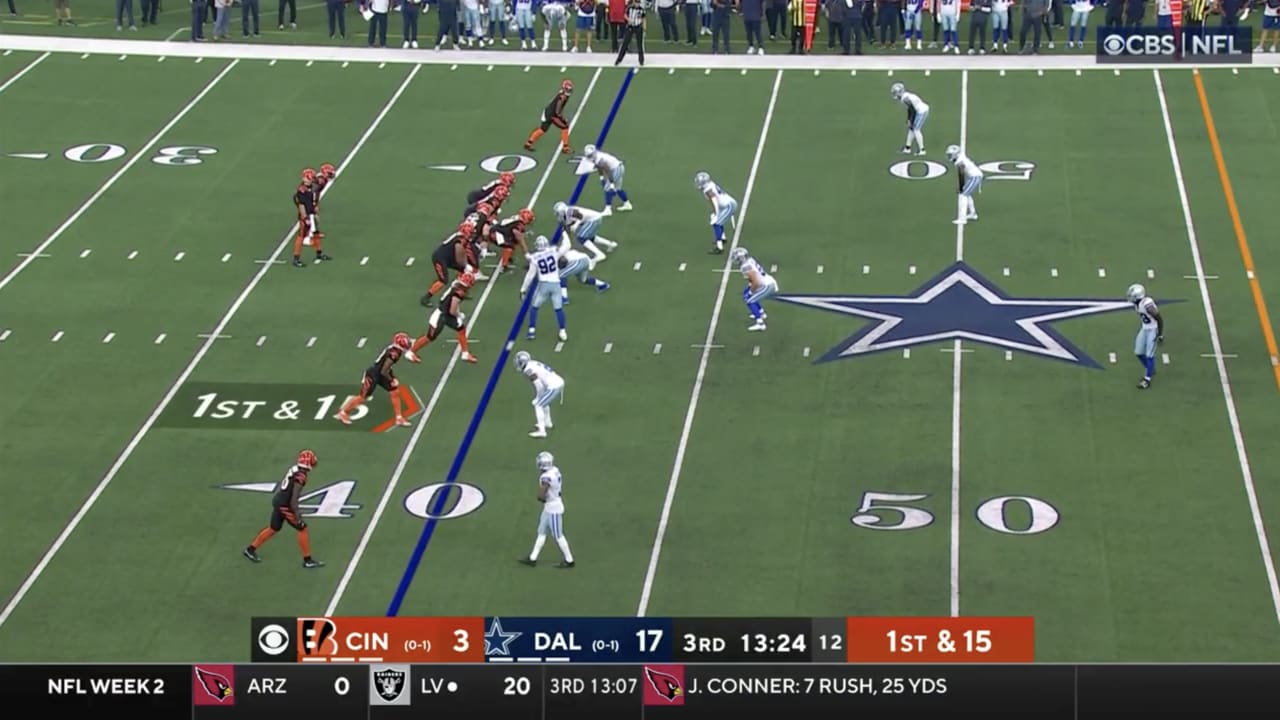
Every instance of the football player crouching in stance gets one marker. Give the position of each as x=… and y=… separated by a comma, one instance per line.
x=381, y=374
x=548, y=386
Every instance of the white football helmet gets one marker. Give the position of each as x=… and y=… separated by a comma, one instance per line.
x=522, y=360
x=897, y=90
x=545, y=460
x=953, y=152
x=590, y=152
x=701, y=178
x=560, y=208
x=1135, y=293
x=739, y=255
x=541, y=243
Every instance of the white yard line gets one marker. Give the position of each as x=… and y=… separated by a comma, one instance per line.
x=137, y=156
x=421, y=422
x=1246, y=472
x=150, y=422
x=18, y=75
x=956, y=362
x=667, y=503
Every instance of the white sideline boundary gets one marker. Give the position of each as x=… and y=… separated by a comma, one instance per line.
x=663, y=61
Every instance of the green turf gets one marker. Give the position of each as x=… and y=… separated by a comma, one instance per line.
x=1154, y=555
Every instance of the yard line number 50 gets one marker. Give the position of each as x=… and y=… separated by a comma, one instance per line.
x=991, y=170
x=1007, y=514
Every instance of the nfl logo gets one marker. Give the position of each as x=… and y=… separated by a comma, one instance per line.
x=389, y=684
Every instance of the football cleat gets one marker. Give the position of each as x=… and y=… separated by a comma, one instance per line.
x=469, y=358
x=252, y=554
x=527, y=561
x=312, y=563
x=565, y=565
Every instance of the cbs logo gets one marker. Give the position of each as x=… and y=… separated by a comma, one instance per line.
x=273, y=640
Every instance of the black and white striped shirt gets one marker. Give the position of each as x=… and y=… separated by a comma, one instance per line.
x=635, y=13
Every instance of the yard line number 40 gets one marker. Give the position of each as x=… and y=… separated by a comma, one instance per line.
x=1007, y=514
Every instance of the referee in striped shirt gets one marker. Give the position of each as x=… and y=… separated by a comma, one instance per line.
x=633, y=31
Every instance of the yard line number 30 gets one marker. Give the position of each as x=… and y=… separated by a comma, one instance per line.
x=1007, y=514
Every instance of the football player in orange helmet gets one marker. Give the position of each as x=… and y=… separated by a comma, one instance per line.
x=284, y=509
x=381, y=374
x=553, y=114
x=449, y=314
x=306, y=201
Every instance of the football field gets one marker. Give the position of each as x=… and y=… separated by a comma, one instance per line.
x=940, y=420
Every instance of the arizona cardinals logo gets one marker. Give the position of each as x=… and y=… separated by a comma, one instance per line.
x=218, y=687
x=665, y=684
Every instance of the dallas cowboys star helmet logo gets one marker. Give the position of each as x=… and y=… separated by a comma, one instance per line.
x=496, y=641
x=960, y=304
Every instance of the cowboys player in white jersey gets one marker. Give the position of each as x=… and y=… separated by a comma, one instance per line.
x=552, y=520
x=1150, y=331
x=760, y=286
x=584, y=225
x=544, y=266
x=555, y=15
x=611, y=171
x=574, y=264
x=548, y=386
x=917, y=115
x=970, y=184
x=723, y=207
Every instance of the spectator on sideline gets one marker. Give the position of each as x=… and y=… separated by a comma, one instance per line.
x=1270, y=25
x=1056, y=8
x=222, y=19
x=1115, y=13
x=869, y=20
x=776, y=14
x=692, y=14
x=409, y=22
x=197, y=19
x=1230, y=11
x=1000, y=31
x=890, y=15
x=721, y=14
x=1034, y=13
x=667, y=16
x=124, y=7
x=633, y=31
x=979, y=15
x=249, y=10
x=144, y=7
x=449, y=23
x=795, y=11
x=149, y=12
x=602, y=20
x=585, y=15
x=1134, y=11
x=293, y=13
x=834, y=10
x=378, y=23
x=13, y=10
x=1164, y=14
x=337, y=18
x=525, y=26
x=752, y=20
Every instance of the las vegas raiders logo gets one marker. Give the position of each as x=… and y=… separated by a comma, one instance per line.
x=389, y=686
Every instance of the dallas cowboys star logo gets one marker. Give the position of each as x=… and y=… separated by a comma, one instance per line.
x=498, y=642
x=960, y=304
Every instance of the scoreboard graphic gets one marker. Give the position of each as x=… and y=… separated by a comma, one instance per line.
x=645, y=668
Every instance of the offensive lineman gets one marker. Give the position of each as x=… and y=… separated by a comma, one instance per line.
x=760, y=286
x=547, y=387
x=611, y=171
x=970, y=177
x=552, y=520
x=917, y=114
x=544, y=265
x=583, y=224
x=723, y=206
x=1150, y=331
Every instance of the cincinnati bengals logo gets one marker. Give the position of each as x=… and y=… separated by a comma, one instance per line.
x=218, y=687
x=665, y=684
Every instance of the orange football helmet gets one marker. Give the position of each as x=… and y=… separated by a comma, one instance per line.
x=526, y=216
x=308, y=175
x=307, y=459
x=328, y=170
x=566, y=86
x=507, y=178
x=402, y=341
x=467, y=279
